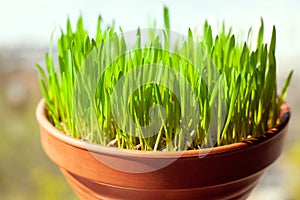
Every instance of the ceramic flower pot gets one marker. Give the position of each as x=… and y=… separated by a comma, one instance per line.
x=226, y=172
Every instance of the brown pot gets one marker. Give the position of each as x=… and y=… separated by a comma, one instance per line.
x=227, y=172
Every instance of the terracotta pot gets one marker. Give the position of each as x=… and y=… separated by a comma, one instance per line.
x=227, y=172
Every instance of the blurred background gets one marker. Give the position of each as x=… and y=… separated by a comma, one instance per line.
x=26, y=26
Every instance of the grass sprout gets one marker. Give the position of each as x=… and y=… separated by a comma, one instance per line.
x=242, y=90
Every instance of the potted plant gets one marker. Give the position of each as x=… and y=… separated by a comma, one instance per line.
x=153, y=114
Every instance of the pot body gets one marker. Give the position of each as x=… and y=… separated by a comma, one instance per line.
x=227, y=172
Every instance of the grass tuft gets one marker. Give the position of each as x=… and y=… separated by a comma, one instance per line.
x=235, y=89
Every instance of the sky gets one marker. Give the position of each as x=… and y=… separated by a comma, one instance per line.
x=31, y=22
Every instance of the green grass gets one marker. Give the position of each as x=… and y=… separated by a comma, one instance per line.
x=212, y=90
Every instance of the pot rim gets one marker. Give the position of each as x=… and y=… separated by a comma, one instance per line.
x=96, y=148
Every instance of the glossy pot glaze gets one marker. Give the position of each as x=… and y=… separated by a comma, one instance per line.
x=227, y=172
